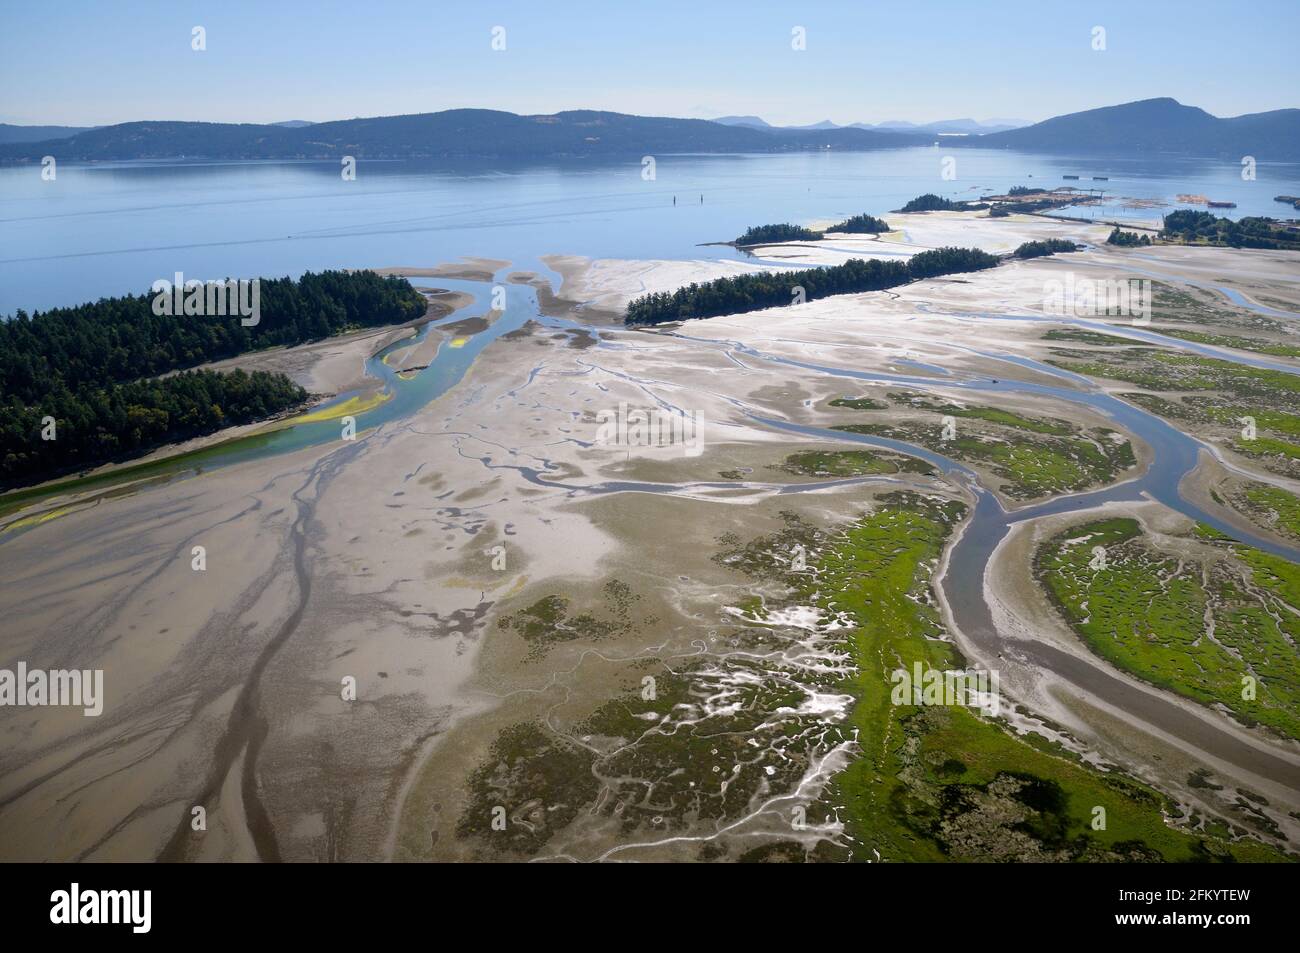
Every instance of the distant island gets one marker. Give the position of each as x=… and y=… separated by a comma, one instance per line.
x=929, y=202
x=861, y=225
x=1149, y=126
x=774, y=234
x=778, y=234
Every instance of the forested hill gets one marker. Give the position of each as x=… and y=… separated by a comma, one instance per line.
x=454, y=133
x=1156, y=126
x=93, y=368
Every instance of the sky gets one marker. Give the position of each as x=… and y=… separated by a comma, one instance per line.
x=94, y=63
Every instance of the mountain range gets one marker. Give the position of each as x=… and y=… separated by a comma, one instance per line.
x=10, y=133
x=454, y=133
x=1147, y=127
x=943, y=127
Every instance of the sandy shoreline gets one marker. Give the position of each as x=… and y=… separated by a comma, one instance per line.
x=467, y=269
x=337, y=364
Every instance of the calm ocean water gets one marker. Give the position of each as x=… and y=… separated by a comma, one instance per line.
x=112, y=228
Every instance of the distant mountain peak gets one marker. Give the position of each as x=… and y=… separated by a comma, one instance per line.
x=754, y=121
x=1160, y=124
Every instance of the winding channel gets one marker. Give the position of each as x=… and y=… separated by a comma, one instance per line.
x=1174, y=456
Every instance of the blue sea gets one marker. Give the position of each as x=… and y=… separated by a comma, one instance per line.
x=111, y=228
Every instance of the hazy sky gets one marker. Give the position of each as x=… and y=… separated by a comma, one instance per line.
x=84, y=63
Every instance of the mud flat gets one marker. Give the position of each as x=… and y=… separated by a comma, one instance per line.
x=500, y=577
x=608, y=284
x=337, y=364
x=203, y=669
x=469, y=269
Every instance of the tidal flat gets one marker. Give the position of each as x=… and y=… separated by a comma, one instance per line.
x=570, y=649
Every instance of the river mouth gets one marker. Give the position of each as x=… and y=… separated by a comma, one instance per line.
x=553, y=473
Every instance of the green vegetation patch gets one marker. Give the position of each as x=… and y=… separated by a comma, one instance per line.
x=1084, y=336
x=548, y=621
x=1268, y=447
x=1233, y=341
x=1049, y=246
x=1275, y=506
x=1175, y=305
x=1165, y=371
x=858, y=403
x=1031, y=466
x=1212, y=410
x=1194, y=624
x=944, y=783
x=929, y=202
x=689, y=750
x=1127, y=239
x=861, y=224
x=531, y=784
x=773, y=234
x=993, y=415
x=1258, y=415
x=848, y=463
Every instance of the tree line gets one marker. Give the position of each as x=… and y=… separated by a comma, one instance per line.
x=1127, y=239
x=1190, y=225
x=88, y=369
x=775, y=234
x=1048, y=246
x=75, y=429
x=769, y=289
x=860, y=224
x=929, y=202
x=121, y=339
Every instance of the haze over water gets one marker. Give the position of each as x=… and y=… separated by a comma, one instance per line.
x=114, y=228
